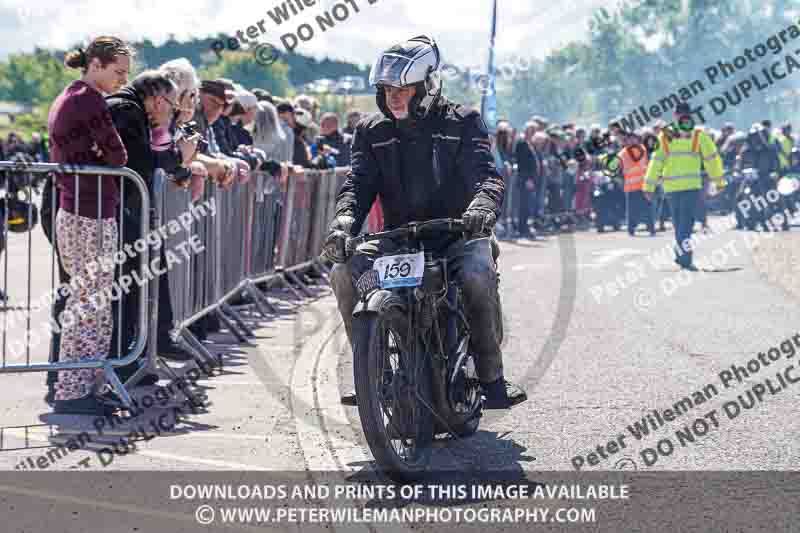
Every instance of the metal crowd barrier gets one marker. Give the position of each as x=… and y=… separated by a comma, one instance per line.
x=254, y=234
x=263, y=234
x=20, y=178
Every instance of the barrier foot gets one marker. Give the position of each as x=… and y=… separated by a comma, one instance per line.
x=173, y=378
x=306, y=278
x=117, y=385
x=195, y=347
x=322, y=271
x=261, y=301
x=322, y=267
x=238, y=319
x=289, y=286
x=296, y=279
x=228, y=324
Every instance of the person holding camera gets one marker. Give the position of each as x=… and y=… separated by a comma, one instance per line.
x=331, y=142
x=148, y=103
x=243, y=117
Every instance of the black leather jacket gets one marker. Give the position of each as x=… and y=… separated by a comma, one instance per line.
x=434, y=168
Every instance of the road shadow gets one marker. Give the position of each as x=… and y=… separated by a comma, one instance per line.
x=486, y=458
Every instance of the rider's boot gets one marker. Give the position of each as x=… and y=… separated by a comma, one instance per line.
x=502, y=394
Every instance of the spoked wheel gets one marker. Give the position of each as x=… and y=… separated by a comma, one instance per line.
x=393, y=392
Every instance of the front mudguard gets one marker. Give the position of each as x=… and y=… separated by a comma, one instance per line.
x=373, y=303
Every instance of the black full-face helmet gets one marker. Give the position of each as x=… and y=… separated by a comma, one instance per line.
x=415, y=62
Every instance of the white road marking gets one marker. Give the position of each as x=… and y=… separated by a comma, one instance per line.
x=182, y=458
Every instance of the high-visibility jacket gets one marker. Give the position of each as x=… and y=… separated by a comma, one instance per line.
x=634, y=166
x=678, y=162
x=785, y=144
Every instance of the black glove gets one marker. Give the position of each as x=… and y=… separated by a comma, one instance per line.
x=479, y=221
x=334, y=246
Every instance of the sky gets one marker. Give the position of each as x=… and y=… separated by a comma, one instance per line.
x=460, y=27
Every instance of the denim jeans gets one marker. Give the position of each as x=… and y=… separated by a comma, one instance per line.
x=684, y=208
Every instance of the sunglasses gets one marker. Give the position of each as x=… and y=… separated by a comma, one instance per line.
x=170, y=102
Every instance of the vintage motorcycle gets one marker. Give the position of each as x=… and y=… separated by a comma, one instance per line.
x=745, y=184
x=414, y=373
x=608, y=202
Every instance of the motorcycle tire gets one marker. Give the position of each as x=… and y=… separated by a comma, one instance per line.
x=370, y=353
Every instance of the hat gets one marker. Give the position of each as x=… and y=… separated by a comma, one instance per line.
x=302, y=117
x=683, y=108
x=262, y=95
x=246, y=99
x=285, y=107
x=218, y=89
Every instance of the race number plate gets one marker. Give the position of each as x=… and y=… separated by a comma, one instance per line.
x=400, y=270
x=368, y=282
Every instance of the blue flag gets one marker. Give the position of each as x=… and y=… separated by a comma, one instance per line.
x=489, y=94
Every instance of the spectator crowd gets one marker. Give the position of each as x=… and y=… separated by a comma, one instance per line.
x=558, y=167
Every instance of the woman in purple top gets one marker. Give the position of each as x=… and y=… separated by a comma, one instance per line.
x=82, y=133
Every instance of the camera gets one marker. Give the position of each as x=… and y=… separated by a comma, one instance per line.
x=254, y=157
x=189, y=129
x=183, y=175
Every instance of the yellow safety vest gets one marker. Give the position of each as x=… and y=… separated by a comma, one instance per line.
x=679, y=162
x=786, y=149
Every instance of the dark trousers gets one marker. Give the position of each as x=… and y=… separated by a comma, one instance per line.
x=701, y=208
x=472, y=264
x=59, y=303
x=660, y=207
x=684, y=208
x=524, y=212
x=555, y=203
x=638, y=209
x=126, y=310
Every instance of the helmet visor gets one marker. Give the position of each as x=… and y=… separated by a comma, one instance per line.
x=390, y=70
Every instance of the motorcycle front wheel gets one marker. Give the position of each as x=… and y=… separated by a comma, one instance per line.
x=393, y=390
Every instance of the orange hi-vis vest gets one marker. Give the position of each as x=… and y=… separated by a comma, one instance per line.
x=634, y=166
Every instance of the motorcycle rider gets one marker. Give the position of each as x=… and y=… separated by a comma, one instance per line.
x=426, y=158
x=762, y=152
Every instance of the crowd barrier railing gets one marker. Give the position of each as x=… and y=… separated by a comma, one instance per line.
x=264, y=233
x=19, y=179
x=247, y=237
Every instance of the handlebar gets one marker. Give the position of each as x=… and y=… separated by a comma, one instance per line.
x=452, y=225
